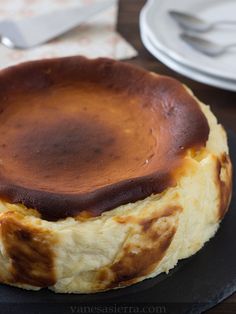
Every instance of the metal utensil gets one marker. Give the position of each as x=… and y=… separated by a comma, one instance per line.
x=206, y=46
x=196, y=24
x=37, y=30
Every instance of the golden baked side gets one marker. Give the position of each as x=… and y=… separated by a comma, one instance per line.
x=127, y=244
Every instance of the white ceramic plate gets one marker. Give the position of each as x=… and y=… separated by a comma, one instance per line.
x=186, y=71
x=164, y=32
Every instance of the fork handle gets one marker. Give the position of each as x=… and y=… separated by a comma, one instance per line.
x=230, y=45
x=224, y=22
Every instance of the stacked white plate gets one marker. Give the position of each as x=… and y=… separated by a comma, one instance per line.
x=160, y=35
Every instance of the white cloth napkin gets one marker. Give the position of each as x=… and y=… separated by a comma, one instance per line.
x=95, y=38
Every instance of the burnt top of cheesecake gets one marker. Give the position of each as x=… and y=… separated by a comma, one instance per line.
x=89, y=135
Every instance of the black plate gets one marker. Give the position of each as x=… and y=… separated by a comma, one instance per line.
x=194, y=285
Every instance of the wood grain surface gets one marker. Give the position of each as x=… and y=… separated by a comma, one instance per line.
x=223, y=103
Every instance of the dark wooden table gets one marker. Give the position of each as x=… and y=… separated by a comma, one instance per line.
x=223, y=103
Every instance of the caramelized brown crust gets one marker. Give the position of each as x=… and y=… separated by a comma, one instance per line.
x=29, y=250
x=224, y=183
x=141, y=257
x=90, y=135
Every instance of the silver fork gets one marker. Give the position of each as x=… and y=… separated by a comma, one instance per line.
x=207, y=47
x=37, y=30
x=191, y=22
